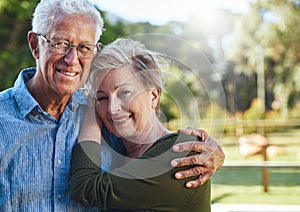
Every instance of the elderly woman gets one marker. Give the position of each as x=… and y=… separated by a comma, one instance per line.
x=126, y=79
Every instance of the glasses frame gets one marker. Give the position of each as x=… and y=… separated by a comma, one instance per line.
x=97, y=47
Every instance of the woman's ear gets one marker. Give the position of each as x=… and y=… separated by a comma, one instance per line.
x=155, y=98
x=33, y=44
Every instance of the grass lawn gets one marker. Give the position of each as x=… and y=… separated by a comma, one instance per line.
x=244, y=186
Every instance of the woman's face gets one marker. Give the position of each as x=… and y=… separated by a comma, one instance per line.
x=125, y=105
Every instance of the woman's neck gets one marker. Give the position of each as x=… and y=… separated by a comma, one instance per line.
x=137, y=146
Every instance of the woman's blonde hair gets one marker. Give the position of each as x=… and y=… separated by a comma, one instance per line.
x=151, y=65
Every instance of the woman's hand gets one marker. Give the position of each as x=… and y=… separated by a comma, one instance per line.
x=209, y=159
x=91, y=126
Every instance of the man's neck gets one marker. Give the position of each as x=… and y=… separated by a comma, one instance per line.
x=48, y=101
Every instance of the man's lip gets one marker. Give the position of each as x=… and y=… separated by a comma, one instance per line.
x=67, y=73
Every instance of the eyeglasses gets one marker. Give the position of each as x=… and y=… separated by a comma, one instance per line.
x=59, y=46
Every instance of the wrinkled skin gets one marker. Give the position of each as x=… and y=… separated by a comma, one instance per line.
x=210, y=158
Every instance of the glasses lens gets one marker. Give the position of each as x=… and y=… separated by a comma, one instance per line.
x=63, y=47
x=86, y=50
x=59, y=46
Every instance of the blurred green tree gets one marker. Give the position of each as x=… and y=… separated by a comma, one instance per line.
x=15, y=17
x=270, y=33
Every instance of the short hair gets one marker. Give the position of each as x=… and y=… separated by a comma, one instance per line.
x=151, y=65
x=46, y=10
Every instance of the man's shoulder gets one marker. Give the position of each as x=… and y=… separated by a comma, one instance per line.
x=6, y=99
x=5, y=93
x=8, y=94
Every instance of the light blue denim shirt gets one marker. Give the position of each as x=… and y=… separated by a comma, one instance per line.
x=35, y=151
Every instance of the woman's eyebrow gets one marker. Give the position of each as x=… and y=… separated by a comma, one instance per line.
x=116, y=87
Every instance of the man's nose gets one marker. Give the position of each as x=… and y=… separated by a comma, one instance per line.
x=72, y=56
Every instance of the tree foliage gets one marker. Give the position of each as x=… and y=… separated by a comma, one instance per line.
x=15, y=21
x=271, y=32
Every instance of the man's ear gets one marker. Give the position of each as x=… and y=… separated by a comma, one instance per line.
x=33, y=43
x=155, y=98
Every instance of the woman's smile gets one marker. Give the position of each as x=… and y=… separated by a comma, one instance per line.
x=121, y=120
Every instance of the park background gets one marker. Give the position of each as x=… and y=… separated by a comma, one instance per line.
x=255, y=53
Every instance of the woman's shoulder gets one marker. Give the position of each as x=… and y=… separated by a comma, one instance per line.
x=172, y=191
x=164, y=145
x=171, y=139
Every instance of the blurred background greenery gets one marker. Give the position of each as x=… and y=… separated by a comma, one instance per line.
x=257, y=56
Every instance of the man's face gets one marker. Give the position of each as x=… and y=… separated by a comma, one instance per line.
x=63, y=74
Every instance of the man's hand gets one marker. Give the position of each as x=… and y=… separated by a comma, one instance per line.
x=209, y=159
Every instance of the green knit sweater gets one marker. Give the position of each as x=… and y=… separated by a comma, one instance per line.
x=143, y=184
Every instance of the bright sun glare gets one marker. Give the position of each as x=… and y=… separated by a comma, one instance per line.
x=162, y=11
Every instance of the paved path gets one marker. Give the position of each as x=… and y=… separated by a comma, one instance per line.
x=254, y=208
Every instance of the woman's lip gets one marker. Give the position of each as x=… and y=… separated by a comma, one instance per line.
x=120, y=120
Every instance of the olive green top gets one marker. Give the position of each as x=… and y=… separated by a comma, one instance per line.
x=143, y=184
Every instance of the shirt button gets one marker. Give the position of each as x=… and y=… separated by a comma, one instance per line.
x=59, y=162
x=36, y=116
x=59, y=196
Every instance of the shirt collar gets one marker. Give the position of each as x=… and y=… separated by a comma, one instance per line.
x=24, y=100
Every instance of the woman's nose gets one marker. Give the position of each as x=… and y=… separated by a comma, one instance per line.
x=115, y=105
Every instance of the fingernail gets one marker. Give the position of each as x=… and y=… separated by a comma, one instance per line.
x=174, y=163
x=175, y=148
x=189, y=185
x=178, y=175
